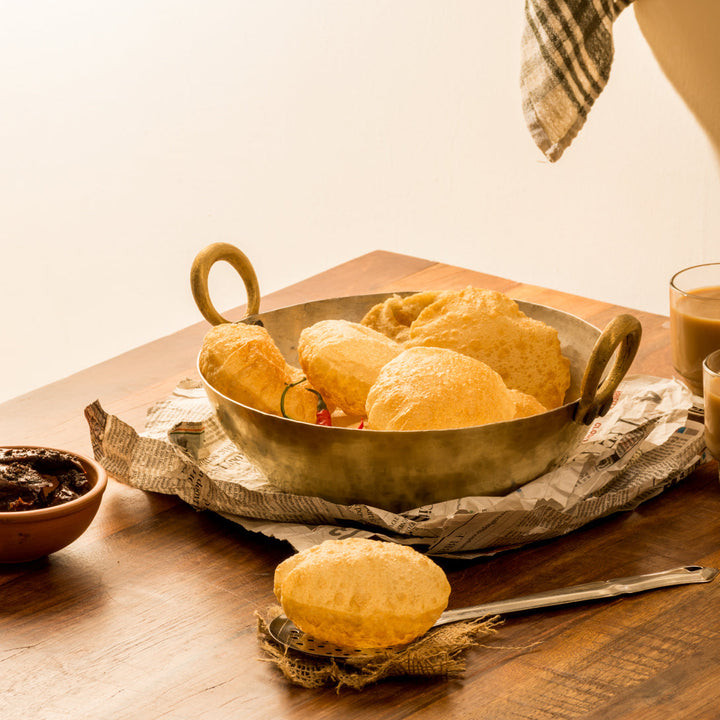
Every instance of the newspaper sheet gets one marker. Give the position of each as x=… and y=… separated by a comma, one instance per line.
x=650, y=438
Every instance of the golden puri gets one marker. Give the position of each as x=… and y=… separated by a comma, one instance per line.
x=489, y=326
x=342, y=359
x=428, y=388
x=362, y=593
x=394, y=316
x=243, y=363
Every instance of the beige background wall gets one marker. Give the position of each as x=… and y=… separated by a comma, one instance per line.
x=306, y=133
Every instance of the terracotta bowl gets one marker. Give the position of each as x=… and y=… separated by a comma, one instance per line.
x=27, y=535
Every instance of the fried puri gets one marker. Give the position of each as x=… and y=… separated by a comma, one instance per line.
x=489, y=326
x=394, y=316
x=428, y=388
x=362, y=593
x=243, y=363
x=342, y=359
x=526, y=405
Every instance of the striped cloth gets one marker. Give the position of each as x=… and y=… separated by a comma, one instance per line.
x=567, y=51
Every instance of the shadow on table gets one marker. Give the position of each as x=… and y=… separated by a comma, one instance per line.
x=48, y=585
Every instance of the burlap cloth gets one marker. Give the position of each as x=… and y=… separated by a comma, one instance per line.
x=437, y=654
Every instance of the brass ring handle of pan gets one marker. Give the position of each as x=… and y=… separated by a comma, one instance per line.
x=200, y=271
x=623, y=334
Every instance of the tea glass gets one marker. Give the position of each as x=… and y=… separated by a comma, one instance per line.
x=711, y=390
x=694, y=321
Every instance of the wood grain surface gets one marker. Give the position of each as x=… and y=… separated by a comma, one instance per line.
x=151, y=613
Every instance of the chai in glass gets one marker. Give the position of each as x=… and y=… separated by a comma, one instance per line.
x=711, y=390
x=694, y=321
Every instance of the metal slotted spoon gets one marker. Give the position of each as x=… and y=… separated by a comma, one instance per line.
x=286, y=633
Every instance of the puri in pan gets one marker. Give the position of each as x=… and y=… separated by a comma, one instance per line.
x=342, y=359
x=428, y=388
x=243, y=363
x=489, y=326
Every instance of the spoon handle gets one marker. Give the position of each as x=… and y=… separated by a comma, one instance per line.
x=580, y=593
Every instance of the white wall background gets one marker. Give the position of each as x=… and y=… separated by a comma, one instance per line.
x=308, y=132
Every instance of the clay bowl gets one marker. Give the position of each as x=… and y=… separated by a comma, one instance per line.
x=27, y=535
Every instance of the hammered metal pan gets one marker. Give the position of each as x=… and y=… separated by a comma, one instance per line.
x=399, y=471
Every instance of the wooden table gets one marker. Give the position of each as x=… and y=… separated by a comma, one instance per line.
x=151, y=613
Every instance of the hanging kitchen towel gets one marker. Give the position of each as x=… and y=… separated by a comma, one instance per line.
x=567, y=51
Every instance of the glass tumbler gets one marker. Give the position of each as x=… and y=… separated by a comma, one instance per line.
x=694, y=321
x=711, y=394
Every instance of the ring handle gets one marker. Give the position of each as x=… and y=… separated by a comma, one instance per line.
x=623, y=334
x=200, y=271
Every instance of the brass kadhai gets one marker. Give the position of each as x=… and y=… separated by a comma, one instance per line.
x=399, y=471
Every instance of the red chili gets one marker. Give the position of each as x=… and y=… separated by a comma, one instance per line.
x=324, y=417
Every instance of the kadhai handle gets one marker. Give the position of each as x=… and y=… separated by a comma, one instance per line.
x=200, y=272
x=622, y=334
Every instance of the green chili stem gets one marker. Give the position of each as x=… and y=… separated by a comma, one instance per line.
x=320, y=403
x=284, y=392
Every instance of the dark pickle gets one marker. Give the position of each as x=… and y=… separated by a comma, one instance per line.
x=35, y=478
